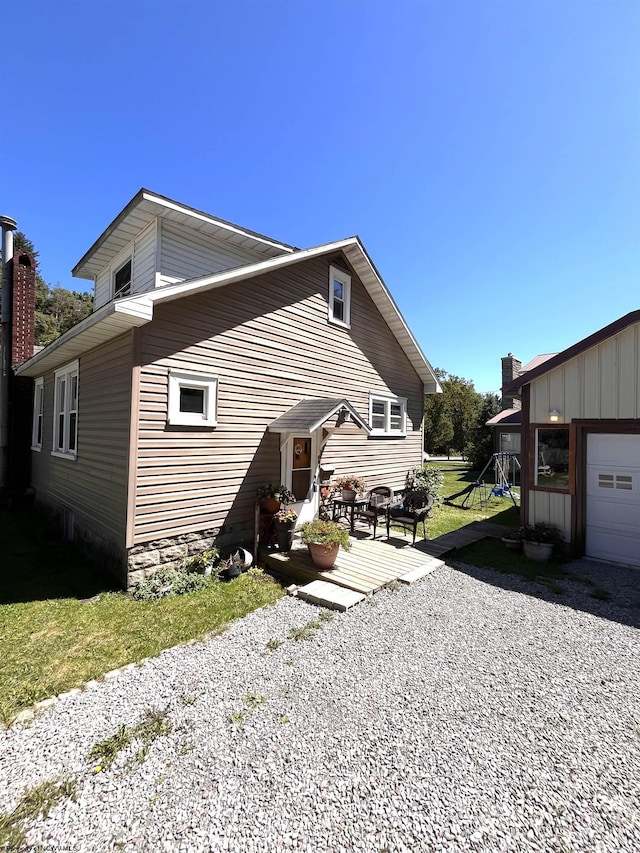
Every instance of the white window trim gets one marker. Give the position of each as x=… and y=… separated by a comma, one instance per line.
x=67, y=372
x=115, y=272
x=38, y=413
x=388, y=400
x=203, y=382
x=344, y=279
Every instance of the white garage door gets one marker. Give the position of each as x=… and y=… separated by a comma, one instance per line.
x=613, y=498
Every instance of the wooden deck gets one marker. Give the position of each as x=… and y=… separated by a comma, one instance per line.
x=369, y=566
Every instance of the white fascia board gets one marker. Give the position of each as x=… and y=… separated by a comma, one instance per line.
x=103, y=325
x=219, y=223
x=396, y=322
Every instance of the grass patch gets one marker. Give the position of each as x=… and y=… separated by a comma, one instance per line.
x=153, y=725
x=35, y=802
x=446, y=518
x=491, y=554
x=50, y=641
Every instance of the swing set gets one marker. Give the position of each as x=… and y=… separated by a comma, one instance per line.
x=505, y=465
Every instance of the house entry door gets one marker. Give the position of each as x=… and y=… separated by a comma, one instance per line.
x=301, y=470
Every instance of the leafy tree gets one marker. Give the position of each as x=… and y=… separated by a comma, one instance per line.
x=480, y=448
x=57, y=309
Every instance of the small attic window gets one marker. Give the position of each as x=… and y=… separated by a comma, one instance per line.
x=122, y=281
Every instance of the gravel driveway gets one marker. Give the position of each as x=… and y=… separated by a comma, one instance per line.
x=470, y=712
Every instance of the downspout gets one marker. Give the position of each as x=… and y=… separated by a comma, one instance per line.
x=8, y=227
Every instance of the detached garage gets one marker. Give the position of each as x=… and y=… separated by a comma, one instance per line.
x=581, y=443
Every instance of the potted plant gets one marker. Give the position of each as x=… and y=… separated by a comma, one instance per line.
x=513, y=539
x=539, y=540
x=284, y=522
x=350, y=485
x=272, y=495
x=323, y=539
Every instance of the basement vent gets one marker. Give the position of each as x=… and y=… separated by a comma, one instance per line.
x=67, y=524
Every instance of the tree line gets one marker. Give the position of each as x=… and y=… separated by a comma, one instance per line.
x=454, y=421
x=57, y=309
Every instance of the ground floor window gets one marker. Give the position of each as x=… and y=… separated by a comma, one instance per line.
x=65, y=411
x=387, y=415
x=552, y=458
x=192, y=399
x=38, y=414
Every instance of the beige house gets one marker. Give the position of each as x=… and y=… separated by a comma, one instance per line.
x=217, y=359
x=581, y=442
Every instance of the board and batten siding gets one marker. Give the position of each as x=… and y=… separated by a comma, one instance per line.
x=602, y=383
x=142, y=251
x=186, y=253
x=94, y=485
x=270, y=344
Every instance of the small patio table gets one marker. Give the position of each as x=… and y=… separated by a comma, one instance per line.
x=341, y=507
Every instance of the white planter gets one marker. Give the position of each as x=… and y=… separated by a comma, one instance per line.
x=539, y=551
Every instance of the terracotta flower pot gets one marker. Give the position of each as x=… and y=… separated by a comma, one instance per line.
x=322, y=558
x=271, y=505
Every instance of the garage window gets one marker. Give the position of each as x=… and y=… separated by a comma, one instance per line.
x=552, y=467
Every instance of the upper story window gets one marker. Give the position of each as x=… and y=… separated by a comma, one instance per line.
x=65, y=411
x=122, y=280
x=38, y=414
x=387, y=415
x=192, y=399
x=339, y=297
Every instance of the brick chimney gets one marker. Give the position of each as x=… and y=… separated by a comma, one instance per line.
x=23, y=308
x=511, y=367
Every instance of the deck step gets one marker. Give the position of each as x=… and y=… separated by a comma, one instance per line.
x=330, y=595
x=421, y=571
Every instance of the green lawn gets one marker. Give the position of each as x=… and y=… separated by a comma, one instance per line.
x=50, y=641
x=446, y=518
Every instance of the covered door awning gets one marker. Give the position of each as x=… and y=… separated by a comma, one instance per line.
x=309, y=415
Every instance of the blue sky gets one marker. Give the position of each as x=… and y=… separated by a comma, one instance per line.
x=487, y=153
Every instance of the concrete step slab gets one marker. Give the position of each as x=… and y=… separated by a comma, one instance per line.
x=330, y=595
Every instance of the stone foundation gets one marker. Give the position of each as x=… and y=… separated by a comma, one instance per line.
x=169, y=552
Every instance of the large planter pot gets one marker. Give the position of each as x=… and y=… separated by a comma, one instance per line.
x=512, y=544
x=348, y=495
x=539, y=551
x=284, y=534
x=271, y=505
x=321, y=558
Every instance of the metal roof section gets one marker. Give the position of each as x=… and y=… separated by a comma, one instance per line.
x=141, y=307
x=146, y=206
x=536, y=362
x=571, y=352
x=308, y=415
x=506, y=417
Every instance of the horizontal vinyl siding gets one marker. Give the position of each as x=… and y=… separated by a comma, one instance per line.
x=270, y=344
x=188, y=254
x=94, y=485
x=602, y=383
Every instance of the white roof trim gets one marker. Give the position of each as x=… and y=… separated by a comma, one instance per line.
x=103, y=325
x=143, y=208
x=138, y=309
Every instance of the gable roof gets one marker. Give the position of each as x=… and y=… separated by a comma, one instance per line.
x=115, y=317
x=146, y=206
x=307, y=415
x=572, y=351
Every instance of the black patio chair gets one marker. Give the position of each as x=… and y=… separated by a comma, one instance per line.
x=415, y=508
x=378, y=501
